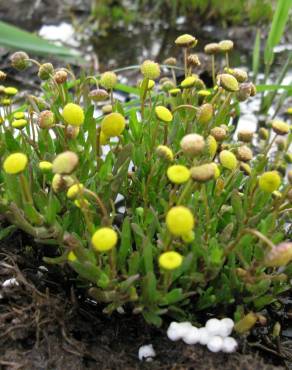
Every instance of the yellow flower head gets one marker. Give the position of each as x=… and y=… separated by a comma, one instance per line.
x=163, y=114
x=45, y=166
x=165, y=152
x=10, y=91
x=174, y=92
x=104, y=239
x=73, y=114
x=18, y=115
x=15, y=163
x=150, y=69
x=179, y=220
x=178, y=174
x=170, y=260
x=19, y=123
x=269, y=181
x=189, y=82
x=71, y=256
x=228, y=160
x=74, y=190
x=212, y=146
x=108, y=80
x=280, y=127
x=103, y=139
x=186, y=40
x=113, y=124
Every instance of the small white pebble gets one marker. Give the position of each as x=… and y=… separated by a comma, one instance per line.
x=146, y=352
x=177, y=330
x=215, y=344
x=214, y=327
x=203, y=336
x=10, y=283
x=229, y=345
x=192, y=336
x=227, y=327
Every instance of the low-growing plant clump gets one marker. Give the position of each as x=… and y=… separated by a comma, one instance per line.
x=157, y=204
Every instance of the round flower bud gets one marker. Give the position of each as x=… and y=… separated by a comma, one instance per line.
x=188, y=237
x=245, y=135
x=203, y=173
x=11, y=91
x=2, y=76
x=106, y=109
x=228, y=160
x=46, y=119
x=205, y=113
x=189, y=82
x=72, y=132
x=186, y=41
x=41, y=103
x=103, y=139
x=19, y=123
x=244, y=91
x=18, y=115
x=263, y=133
x=163, y=114
x=192, y=144
x=212, y=146
x=73, y=114
x=174, y=92
x=170, y=260
x=244, y=167
x=240, y=75
x=253, y=89
x=75, y=190
x=170, y=61
x=228, y=82
x=150, y=69
x=212, y=48
x=193, y=60
x=45, y=166
x=226, y=45
x=281, y=143
x=280, y=127
x=19, y=60
x=219, y=133
x=104, y=239
x=98, y=95
x=65, y=163
x=179, y=220
x=113, y=124
x=269, y=181
x=165, y=152
x=166, y=86
x=280, y=255
x=15, y=163
x=178, y=174
x=46, y=70
x=108, y=80
x=60, y=77
x=244, y=153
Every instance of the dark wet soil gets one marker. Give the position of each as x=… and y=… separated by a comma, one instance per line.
x=44, y=325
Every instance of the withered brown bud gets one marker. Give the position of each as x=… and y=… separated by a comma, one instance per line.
x=212, y=48
x=244, y=91
x=46, y=119
x=170, y=61
x=245, y=135
x=19, y=60
x=239, y=74
x=193, y=60
x=244, y=153
x=98, y=95
x=205, y=113
x=203, y=173
x=219, y=133
x=65, y=163
x=72, y=132
x=60, y=76
x=192, y=144
x=2, y=76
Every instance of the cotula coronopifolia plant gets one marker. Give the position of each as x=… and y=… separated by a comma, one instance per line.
x=157, y=204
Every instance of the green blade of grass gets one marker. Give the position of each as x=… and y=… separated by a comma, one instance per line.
x=256, y=54
x=14, y=38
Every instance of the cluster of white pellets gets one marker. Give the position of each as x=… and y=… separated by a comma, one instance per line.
x=215, y=334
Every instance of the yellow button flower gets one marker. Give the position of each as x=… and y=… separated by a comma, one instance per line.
x=179, y=220
x=186, y=40
x=10, y=91
x=108, y=80
x=170, y=260
x=178, y=174
x=269, y=181
x=104, y=239
x=150, y=69
x=74, y=190
x=163, y=114
x=45, y=166
x=15, y=163
x=189, y=82
x=19, y=123
x=228, y=160
x=113, y=124
x=73, y=114
x=18, y=115
x=280, y=127
x=165, y=152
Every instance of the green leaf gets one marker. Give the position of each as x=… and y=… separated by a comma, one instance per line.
x=4, y=233
x=152, y=318
x=256, y=54
x=126, y=244
x=14, y=38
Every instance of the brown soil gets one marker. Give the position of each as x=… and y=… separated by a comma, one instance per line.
x=44, y=325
